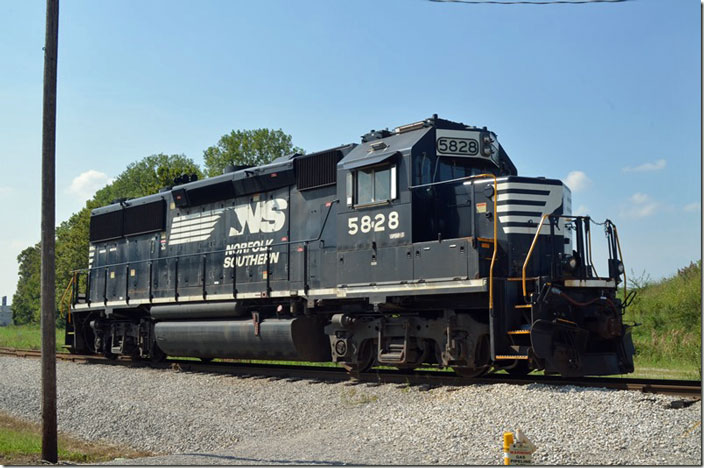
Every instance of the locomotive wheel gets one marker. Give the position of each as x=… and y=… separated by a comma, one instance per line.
x=156, y=354
x=365, y=359
x=521, y=368
x=481, y=360
x=107, y=346
x=86, y=336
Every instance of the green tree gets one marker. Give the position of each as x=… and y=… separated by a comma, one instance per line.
x=145, y=177
x=251, y=147
x=140, y=178
x=25, y=302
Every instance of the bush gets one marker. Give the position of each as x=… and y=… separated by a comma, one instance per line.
x=669, y=314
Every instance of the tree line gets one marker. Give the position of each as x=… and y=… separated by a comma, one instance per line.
x=140, y=178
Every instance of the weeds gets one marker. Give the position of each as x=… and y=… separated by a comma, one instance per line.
x=669, y=316
x=351, y=397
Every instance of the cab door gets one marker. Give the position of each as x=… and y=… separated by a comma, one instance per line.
x=373, y=227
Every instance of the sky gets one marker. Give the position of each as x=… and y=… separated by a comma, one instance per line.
x=604, y=96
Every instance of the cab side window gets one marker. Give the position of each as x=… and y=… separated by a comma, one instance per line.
x=365, y=186
x=372, y=185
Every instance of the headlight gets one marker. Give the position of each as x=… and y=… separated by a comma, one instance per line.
x=570, y=263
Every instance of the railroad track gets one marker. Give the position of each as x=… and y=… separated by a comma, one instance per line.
x=425, y=378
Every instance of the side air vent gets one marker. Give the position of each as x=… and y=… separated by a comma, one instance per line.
x=106, y=226
x=141, y=219
x=129, y=221
x=317, y=170
x=211, y=193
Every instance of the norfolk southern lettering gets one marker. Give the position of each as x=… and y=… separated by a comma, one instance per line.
x=249, y=253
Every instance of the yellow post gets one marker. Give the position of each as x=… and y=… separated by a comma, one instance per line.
x=508, y=441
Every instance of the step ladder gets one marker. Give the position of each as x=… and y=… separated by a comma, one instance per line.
x=520, y=351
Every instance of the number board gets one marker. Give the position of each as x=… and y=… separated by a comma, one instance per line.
x=456, y=143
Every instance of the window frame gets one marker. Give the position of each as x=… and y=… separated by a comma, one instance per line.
x=353, y=188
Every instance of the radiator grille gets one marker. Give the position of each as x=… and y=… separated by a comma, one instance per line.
x=106, y=226
x=141, y=219
x=317, y=170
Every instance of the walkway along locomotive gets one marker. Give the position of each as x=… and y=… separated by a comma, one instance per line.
x=417, y=246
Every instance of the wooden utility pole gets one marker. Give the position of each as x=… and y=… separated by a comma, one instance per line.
x=48, y=274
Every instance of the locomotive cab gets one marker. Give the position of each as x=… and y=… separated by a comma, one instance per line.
x=438, y=207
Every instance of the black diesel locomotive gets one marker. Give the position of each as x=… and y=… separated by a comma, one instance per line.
x=418, y=246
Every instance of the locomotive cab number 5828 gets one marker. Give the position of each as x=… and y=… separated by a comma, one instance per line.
x=376, y=223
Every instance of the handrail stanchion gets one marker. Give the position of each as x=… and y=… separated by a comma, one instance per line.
x=88, y=285
x=305, y=268
x=530, y=252
x=105, y=286
x=268, y=272
x=204, y=292
x=234, y=274
x=589, y=243
x=151, y=280
x=176, y=279
x=127, y=283
x=625, y=281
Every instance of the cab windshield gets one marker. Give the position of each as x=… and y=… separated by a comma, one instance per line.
x=429, y=169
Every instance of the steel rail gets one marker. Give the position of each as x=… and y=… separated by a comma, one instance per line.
x=428, y=378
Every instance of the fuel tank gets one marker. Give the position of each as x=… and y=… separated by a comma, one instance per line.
x=296, y=339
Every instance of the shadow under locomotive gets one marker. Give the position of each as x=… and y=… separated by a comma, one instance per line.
x=420, y=245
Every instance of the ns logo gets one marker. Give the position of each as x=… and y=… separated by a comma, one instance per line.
x=264, y=216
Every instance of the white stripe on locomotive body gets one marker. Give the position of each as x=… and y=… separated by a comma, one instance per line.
x=521, y=196
x=538, y=204
x=189, y=239
x=180, y=222
x=194, y=227
x=181, y=232
x=567, y=210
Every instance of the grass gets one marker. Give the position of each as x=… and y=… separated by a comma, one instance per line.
x=27, y=337
x=668, y=340
x=20, y=444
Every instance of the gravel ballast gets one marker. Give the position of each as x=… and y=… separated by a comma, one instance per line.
x=216, y=419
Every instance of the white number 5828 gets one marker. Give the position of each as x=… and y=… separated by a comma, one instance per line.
x=378, y=223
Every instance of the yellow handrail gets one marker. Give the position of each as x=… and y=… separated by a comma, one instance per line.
x=589, y=243
x=530, y=252
x=63, y=297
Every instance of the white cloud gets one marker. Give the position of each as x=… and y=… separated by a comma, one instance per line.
x=647, y=167
x=582, y=210
x=696, y=206
x=640, y=205
x=87, y=183
x=577, y=181
x=639, y=198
